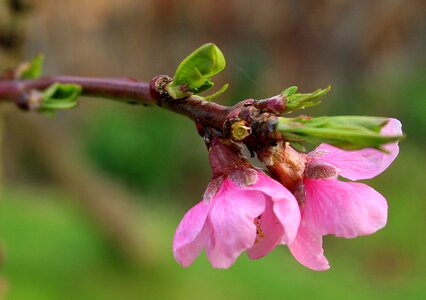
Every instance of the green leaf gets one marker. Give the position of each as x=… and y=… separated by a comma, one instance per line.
x=218, y=93
x=289, y=91
x=32, y=69
x=298, y=101
x=194, y=73
x=207, y=85
x=346, y=132
x=59, y=96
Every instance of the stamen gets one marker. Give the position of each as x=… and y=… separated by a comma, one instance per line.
x=259, y=233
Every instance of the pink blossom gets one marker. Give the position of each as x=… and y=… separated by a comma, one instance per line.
x=343, y=209
x=242, y=210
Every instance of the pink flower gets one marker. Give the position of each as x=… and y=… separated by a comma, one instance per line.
x=344, y=209
x=242, y=210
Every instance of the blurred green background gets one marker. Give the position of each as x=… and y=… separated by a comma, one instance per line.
x=91, y=198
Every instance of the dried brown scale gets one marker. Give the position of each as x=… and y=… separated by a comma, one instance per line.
x=22, y=101
x=264, y=127
x=285, y=164
x=157, y=86
x=226, y=157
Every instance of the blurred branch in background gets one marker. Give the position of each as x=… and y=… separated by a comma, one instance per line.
x=12, y=31
x=102, y=199
x=12, y=28
x=3, y=288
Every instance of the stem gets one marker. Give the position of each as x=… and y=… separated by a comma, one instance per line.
x=210, y=114
x=261, y=124
x=128, y=90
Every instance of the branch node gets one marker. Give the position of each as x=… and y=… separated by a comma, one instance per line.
x=157, y=87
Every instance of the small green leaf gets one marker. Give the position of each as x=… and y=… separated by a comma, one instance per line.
x=298, y=101
x=218, y=93
x=207, y=85
x=59, y=96
x=194, y=73
x=346, y=132
x=289, y=91
x=32, y=69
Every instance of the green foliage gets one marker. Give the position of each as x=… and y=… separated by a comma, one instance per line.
x=123, y=142
x=32, y=69
x=218, y=93
x=290, y=91
x=194, y=73
x=300, y=101
x=346, y=132
x=55, y=252
x=59, y=96
x=404, y=96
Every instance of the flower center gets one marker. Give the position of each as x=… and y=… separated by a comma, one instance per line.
x=259, y=233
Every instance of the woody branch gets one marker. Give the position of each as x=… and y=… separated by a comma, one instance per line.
x=206, y=114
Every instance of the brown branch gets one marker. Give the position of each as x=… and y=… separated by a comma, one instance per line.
x=204, y=113
x=128, y=90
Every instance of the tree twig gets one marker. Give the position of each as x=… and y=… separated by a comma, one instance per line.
x=204, y=113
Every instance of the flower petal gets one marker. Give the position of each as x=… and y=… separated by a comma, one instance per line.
x=269, y=233
x=360, y=164
x=285, y=206
x=232, y=217
x=307, y=249
x=345, y=209
x=192, y=234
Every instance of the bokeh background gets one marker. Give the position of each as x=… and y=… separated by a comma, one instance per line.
x=90, y=199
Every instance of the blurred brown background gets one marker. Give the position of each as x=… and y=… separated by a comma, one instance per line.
x=91, y=197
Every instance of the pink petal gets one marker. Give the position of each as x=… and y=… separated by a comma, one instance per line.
x=232, y=214
x=307, y=249
x=393, y=127
x=192, y=234
x=360, y=164
x=269, y=233
x=345, y=209
x=285, y=206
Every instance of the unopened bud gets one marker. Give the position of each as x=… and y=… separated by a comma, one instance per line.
x=275, y=105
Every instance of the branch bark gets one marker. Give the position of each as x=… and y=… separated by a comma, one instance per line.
x=204, y=113
x=125, y=90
